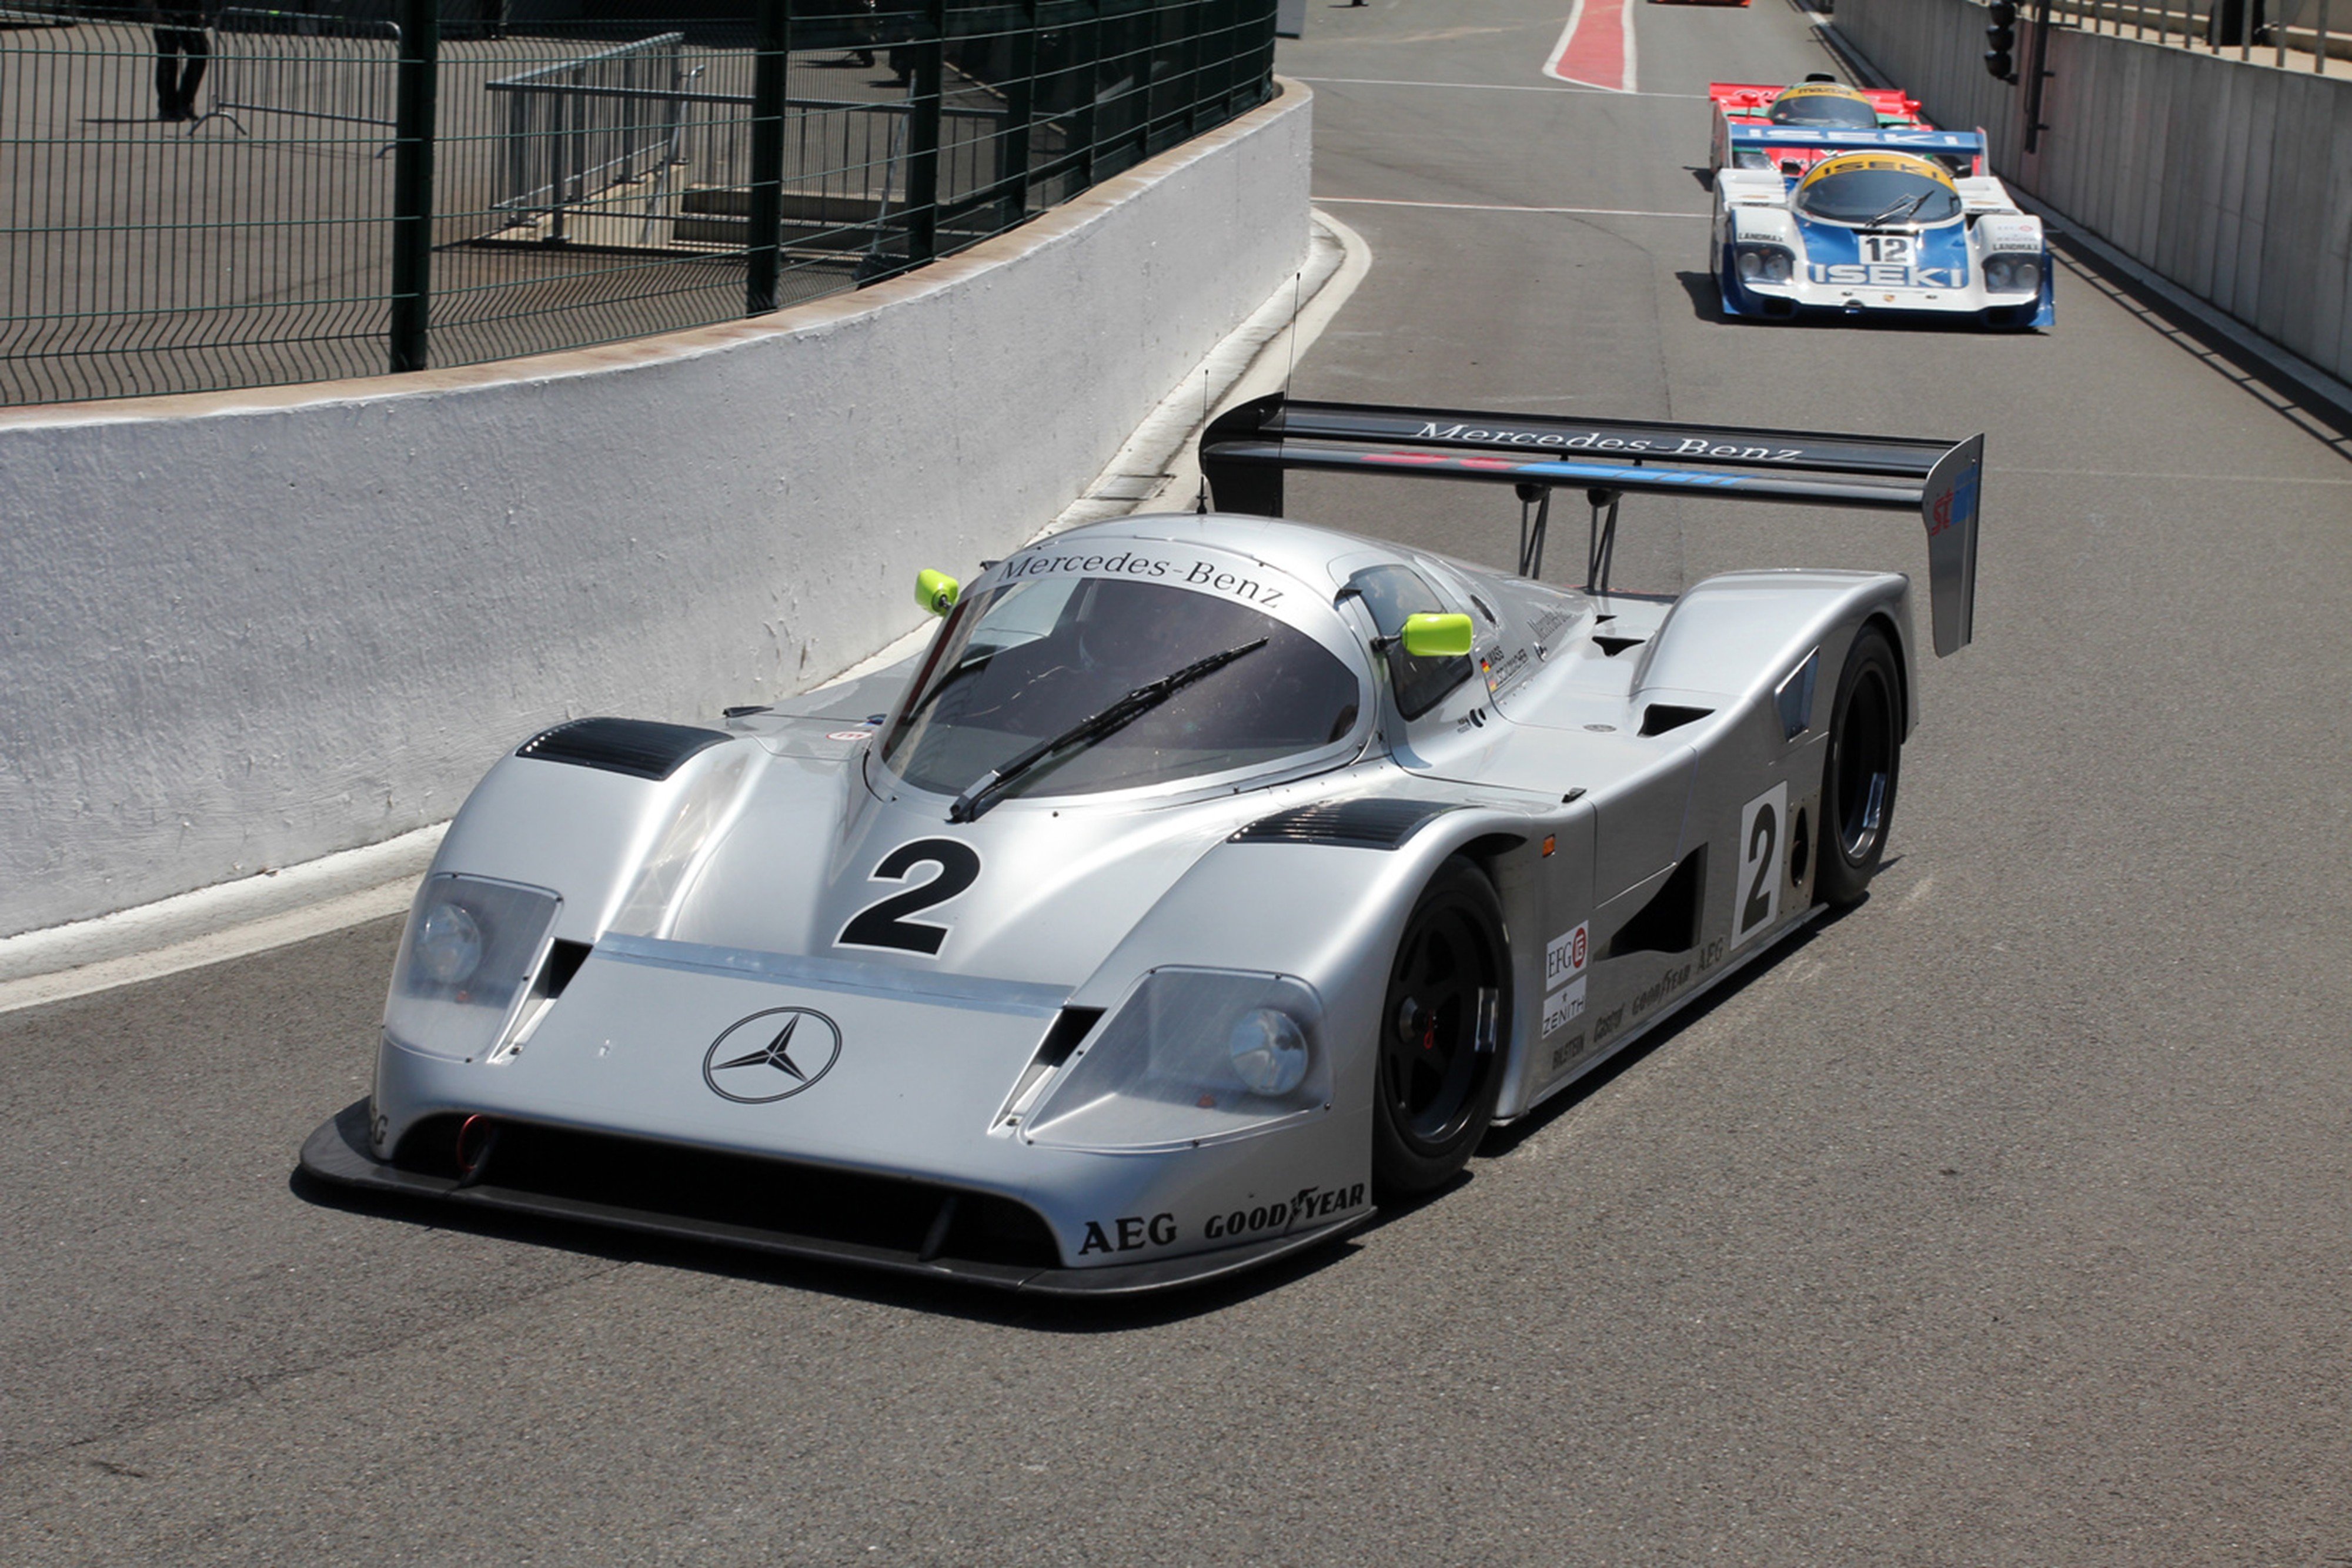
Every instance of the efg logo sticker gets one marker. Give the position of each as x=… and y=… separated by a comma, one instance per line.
x=1565, y=955
x=772, y=1055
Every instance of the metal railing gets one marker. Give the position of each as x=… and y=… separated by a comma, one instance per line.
x=576, y=128
x=2273, y=32
x=302, y=65
x=547, y=186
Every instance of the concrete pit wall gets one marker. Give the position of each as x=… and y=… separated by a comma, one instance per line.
x=2232, y=180
x=242, y=631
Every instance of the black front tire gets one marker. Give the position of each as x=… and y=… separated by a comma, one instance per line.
x=1863, y=764
x=1444, y=1024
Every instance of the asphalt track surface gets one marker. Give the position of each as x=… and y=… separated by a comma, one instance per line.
x=2004, y=1220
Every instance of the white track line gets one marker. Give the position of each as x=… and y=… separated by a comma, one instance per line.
x=1483, y=207
x=1564, y=87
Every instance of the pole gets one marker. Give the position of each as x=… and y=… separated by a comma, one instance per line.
x=412, y=182
x=1020, y=108
x=2034, y=126
x=923, y=138
x=763, y=248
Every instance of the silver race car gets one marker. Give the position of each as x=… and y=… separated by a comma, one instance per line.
x=1208, y=881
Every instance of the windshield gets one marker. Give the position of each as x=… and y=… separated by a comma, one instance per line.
x=1028, y=660
x=1880, y=192
x=1817, y=107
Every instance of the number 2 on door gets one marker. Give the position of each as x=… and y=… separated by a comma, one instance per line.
x=1762, y=824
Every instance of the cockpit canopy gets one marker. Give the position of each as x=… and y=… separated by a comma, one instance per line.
x=1864, y=190
x=1037, y=653
x=1823, y=103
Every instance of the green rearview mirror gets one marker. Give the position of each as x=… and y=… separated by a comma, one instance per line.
x=935, y=590
x=1427, y=636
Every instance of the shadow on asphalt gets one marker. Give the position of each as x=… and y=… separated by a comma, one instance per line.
x=1041, y=1314
x=2327, y=422
x=1707, y=304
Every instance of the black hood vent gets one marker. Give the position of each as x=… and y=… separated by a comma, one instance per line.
x=1374, y=825
x=636, y=746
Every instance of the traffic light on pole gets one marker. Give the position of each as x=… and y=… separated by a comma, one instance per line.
x=2001, y=34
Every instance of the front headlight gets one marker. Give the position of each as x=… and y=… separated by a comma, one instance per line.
x=1765, y=264
x=471, y=945
x=2012, y=274
x=1193, y=1056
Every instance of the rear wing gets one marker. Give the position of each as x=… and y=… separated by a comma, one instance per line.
x=1245, y=451
x=1756, y=98
x=1771, y=138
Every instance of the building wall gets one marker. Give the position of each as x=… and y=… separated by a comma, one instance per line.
x=2232, y=180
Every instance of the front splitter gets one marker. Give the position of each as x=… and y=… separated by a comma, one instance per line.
x=337, y=1152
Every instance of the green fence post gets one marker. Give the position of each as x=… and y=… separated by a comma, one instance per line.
x=1086, y=60
x=923, y=138
x=412, y=182
x=1020, y=108
x=763, y=252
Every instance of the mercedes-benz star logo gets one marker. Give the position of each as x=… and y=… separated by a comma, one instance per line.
x=752, y=1066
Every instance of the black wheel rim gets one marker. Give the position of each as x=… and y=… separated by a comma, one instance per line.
x=1440, y=1004
x=1865, y=763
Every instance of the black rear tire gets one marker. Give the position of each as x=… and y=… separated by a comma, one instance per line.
x=1863, y=764
x=1443, y=1023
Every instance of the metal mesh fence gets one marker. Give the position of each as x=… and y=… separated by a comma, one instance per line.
x=199, y=197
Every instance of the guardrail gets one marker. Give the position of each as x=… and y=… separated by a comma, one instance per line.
x=458, y=183
x=312, y=68
x=580, y=127
x=2249, y=30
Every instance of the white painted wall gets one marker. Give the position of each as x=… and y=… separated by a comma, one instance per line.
x=241, y=631
x=2231, y=179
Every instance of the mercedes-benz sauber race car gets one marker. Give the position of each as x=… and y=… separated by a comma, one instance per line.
x=1818, y=104
x=1878, y=230
x=1208, y=880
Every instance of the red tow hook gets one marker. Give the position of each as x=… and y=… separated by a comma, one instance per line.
x=477, y=1139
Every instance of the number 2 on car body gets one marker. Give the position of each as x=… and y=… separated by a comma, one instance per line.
x=885, y=924
x=1762, y=830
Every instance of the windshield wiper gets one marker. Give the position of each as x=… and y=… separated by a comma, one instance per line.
x=1906, y=207
x=986, y=790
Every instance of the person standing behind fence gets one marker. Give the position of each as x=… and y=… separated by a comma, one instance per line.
x=179, y=36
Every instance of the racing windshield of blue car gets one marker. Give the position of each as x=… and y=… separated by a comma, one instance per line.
x=1861, y=197
x=1028, y=660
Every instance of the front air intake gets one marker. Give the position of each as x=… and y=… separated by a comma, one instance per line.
x=668, y=1188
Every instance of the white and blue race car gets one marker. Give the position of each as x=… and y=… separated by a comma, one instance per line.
x=1879, y=229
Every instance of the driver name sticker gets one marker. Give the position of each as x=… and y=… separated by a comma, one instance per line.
x=1563, y=1007
x=1565, y=955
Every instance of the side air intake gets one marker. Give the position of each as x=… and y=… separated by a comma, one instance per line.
x=1374, y=825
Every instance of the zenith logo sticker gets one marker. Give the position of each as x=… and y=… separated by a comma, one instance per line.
x=772, y=1055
